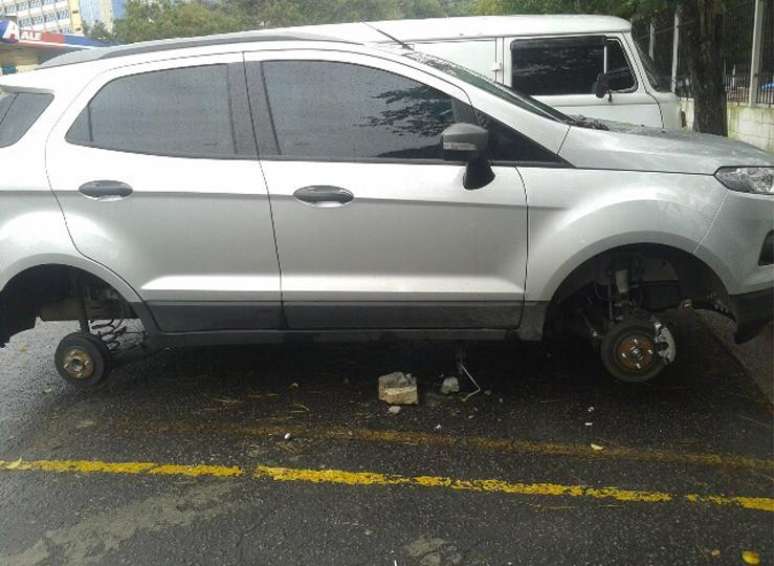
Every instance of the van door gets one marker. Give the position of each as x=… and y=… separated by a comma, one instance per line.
x=156, y=171
x=478, y=55
x=563, y=71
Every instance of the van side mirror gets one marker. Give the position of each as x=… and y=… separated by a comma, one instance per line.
x=468, y=143
x=602, y=86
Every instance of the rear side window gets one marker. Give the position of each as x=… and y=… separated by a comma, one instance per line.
x=336, y=110
x=18, y=112
x=177, y=112
x=571, y=65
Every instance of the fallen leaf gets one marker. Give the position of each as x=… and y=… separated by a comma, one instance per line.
x=597, y=447
x=14, y=465
x=751, y=557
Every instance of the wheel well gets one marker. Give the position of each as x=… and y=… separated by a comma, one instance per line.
x=57, y=292
x=667, y=277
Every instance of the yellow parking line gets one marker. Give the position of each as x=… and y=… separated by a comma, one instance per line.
x=349, y=478
x=498, y=486
x=134, y=468
x=503, y=445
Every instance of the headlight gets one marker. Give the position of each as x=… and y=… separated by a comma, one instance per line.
x=758, y=180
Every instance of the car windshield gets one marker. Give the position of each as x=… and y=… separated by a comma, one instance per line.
x=657, y=80
x=480, y=81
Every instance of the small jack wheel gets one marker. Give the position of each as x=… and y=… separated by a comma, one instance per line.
x=83, y=360
x=635, y=350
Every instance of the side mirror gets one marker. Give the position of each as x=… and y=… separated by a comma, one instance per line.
x=468, y=143
x=602, y=86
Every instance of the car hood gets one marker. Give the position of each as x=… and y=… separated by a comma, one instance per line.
x=637, y=148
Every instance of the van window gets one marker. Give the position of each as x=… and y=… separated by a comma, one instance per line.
x=561, y=66
x=18, y=112
x=346, y=111
x=177, y=112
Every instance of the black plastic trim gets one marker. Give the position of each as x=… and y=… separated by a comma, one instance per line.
x=767, y=250
x=184, y=316
x=98, y=54
x=399, y=314
x=752, y=311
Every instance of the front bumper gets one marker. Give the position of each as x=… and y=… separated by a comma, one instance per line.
x=752, y=311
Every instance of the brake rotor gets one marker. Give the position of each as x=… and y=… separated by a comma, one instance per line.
x=635, y=352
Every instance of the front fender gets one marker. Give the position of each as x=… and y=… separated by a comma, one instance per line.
x=577, y=214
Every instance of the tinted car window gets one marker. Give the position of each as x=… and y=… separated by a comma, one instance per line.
x=178, y=112
x=346, y=111
x=18, y=112
x=506, y=144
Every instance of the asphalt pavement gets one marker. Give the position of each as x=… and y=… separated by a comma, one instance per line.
x=284, y=455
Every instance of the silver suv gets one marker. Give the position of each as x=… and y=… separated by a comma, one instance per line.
x=255, y=187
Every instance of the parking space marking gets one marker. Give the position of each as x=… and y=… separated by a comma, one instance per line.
x=504, y=445
x=364, y=479
x=132, y=468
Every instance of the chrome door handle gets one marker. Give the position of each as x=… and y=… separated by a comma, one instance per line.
x=324, y=195
x=105, y=189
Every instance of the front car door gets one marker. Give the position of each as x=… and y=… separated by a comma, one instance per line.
x=374, y=229
x=156, y=171
x=562, y=72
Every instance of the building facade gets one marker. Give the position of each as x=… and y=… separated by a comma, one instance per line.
x=105, y=11
x=58, y=16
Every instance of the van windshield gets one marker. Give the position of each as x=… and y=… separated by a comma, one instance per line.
x=480, y=81
x=657, y=80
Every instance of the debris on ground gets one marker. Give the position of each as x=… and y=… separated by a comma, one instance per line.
x=590, y=409
x=437, y=427
x=394, y=409
x=597, y=447
x=751, y=557
x=588, y=423
x=464, y=371
x=288, y=436
x=450, y=385
x=398, y=388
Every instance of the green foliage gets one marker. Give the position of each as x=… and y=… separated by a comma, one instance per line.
x=98, y=32
x=165, y=19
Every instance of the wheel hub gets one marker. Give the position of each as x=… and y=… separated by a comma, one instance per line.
x=635, y=352
x=78, y=363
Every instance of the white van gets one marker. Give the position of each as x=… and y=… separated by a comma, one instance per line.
x=556, y=59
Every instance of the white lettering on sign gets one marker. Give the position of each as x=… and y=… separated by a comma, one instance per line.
x=30, y=35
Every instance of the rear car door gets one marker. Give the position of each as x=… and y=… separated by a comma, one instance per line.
x=156, y=171
x=562, y=72
x=374, y=229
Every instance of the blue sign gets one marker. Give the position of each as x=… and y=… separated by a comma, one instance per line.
x=9, y=31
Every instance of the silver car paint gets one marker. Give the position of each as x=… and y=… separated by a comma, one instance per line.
x=638, y=185
x=193, y=230
x=629, y=148
x=576, y=214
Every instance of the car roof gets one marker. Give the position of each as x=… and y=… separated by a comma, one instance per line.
x=100, y=53
x=469, y=27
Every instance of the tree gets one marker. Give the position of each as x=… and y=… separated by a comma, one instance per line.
x=98, y=32
x=701, y=38
x=165, y=19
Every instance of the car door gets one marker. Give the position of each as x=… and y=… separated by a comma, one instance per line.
x=562, y=72
x=374, y=229
x=156, y=171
